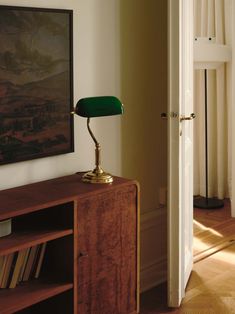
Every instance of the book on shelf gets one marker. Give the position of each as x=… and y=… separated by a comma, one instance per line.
x=17, y=267
x=35, y=262
x=40, y=260
x=2, y=269
x=24, y=264
x=1, y=263
x=7, y=270
x=29, y=264
x=11, y=271
x=21, y=266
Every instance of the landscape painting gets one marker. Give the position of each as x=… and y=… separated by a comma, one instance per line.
x=36, y=83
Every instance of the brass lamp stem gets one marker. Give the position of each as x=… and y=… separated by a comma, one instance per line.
x=91, y=134
x=97, y=157
x=98, y=175
x=98, y=169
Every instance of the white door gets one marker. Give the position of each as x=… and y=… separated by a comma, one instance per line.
x=180, y=148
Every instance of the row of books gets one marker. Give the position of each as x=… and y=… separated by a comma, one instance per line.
x=21, y=266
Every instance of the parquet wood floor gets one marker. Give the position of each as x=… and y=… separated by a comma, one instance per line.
x=211, y=288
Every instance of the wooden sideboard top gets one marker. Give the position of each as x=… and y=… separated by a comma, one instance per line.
x=31, y=197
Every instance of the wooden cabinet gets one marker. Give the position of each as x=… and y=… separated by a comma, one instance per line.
x=91, y=260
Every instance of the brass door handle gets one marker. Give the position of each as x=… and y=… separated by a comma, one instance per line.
x=165, y=115
x=191, y=117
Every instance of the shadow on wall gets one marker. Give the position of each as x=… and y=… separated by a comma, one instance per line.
x=143, y=38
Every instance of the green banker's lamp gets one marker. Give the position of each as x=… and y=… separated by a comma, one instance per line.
x=92, y=107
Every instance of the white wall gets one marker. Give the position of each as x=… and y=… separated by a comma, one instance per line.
x=96, y=72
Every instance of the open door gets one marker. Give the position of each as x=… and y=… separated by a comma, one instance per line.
x=180, y=148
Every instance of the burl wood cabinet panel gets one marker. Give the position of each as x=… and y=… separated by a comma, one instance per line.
x=107, y=252
x=91, y=261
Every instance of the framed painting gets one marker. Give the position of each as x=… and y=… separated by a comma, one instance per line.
x=36, y=83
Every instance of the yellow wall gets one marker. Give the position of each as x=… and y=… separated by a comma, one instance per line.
x=144, y=94
x=143, y=39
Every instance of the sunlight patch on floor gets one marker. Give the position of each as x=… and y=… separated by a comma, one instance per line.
x=204, y=238
x=200, y=245
x=201, y=227
x=226, y=256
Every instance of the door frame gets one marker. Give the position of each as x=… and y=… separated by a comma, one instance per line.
x=180, y=145
x=232, y=116
x=173, y=252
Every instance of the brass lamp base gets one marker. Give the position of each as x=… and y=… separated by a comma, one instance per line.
x=97, y=177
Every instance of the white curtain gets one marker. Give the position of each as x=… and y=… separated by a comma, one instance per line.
x=212, y=19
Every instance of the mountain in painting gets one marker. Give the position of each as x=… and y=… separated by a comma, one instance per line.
x=35, y=117
x=53, y=87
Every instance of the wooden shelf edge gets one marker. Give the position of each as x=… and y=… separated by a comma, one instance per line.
x=17, y=205
x=30, y=293
x=27, y=210
x=22, y=240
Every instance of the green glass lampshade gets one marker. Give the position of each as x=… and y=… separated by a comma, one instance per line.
x=99, y=107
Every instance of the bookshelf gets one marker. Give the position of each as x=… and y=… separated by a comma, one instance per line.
x=91, y=232
x=21, y=240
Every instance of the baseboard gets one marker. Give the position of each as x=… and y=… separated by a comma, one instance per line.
x=151, y=218
x=153, y=275
x=153, y=249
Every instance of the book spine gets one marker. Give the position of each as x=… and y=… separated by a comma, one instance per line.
x=12, y=267
x=7, y=270
x=29, y=263
x=2, y=271
x=24, y=265
x=35, y=261
x=40, y=260
x=17, y=268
